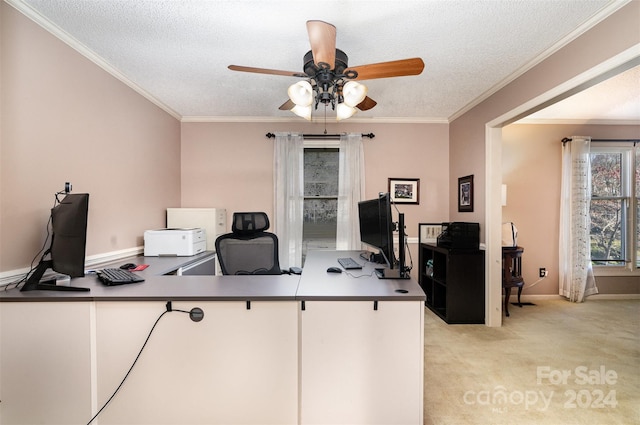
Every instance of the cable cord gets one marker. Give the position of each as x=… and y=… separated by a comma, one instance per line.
x=348, y=273
x=41, y=253
x=196, y=314
x=130, y=369
x=534, y=283
x=406, y=242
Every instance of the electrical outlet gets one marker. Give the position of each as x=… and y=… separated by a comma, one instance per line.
x=543, y=272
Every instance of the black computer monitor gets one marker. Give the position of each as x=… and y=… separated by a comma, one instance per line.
x=68, y=244
x=376, y=230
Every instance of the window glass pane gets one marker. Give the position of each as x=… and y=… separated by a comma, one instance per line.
x=637, y=207
x=321, y=169
x=606, y=232
x=606, y=178
x=637, y=173
x=320, y=219
x=637, y=233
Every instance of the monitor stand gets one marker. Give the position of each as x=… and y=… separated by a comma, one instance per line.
x=34, y=283
x=401, y=272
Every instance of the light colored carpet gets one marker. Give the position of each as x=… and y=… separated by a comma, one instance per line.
x=555, y=362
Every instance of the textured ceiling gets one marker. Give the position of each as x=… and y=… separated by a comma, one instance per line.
x=177, y=52
x=615, y=99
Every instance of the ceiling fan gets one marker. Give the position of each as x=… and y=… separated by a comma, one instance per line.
x=329, y=79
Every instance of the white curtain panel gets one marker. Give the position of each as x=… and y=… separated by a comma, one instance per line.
x=350, y=191
x=288, y=165
x=576, y=272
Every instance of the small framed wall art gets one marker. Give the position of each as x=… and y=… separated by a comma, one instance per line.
x=465, y=194
x=404, y=191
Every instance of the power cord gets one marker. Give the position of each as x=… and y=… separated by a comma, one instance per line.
x=42, y=253
x=535, y=283
x=409, y=267
x=196, y=314
x=358, y=276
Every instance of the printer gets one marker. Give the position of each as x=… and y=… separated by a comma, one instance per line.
x=174, y=242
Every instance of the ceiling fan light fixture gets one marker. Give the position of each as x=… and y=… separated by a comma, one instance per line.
x=354, y=93
x=302, y=111
x=301, y=93
x=344, y=111
x=327, y=73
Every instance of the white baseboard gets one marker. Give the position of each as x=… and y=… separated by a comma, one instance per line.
x=614, y=297
x=10, y=276
x=596, y=297
x=108, y=257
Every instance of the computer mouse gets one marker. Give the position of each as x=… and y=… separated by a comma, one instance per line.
x=128, y=266
x=334, y=270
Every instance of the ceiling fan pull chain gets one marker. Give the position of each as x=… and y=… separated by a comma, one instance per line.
x=325, y=118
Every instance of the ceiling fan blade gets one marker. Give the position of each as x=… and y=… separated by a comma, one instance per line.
x=322, y=37
x=366, y=104
x=399, y=68
x=266, y=71
x=287, y=106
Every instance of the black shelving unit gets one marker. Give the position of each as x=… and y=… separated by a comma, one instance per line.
x=453, y=281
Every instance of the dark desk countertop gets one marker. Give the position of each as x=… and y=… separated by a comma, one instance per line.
x=314, y=284
x=358, y=284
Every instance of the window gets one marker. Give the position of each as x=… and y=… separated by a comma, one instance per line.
x=615, y=210
x=321, y=169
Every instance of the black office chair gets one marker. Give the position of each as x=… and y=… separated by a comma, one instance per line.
x=248, y=249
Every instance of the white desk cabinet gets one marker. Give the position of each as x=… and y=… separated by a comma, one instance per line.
x=321, y=348
x=360, y=365
x=45, y=363
x=236, y=366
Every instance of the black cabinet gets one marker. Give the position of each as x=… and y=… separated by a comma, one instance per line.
x=453, y=281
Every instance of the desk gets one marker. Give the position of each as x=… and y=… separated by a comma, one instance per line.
x=268, y=361
x=362, y=345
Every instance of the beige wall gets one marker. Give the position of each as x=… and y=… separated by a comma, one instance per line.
x=604, y=41
x=230, y=165
x=65, y=119
x=531, y=170
x=62, y=115
x=472, y=144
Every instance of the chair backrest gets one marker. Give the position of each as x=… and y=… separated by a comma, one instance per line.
x=248, y=249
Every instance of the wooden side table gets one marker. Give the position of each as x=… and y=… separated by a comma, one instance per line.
x=512, y=273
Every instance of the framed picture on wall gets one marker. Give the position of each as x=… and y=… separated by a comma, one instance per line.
x=465, y=194
x=404, y=191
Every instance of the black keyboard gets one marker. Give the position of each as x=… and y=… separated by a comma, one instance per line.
x=349, y=263
x=112, y=277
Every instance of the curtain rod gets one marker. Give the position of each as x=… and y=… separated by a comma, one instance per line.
x=323, y=136
x=568, y=139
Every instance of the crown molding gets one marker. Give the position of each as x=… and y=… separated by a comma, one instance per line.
x=577, y=121
x=66, y=38
x=293, y=119
x=605, y=12
x=72, y=42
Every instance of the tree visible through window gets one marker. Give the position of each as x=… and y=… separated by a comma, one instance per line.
x=637, y=183
x=614, y=198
